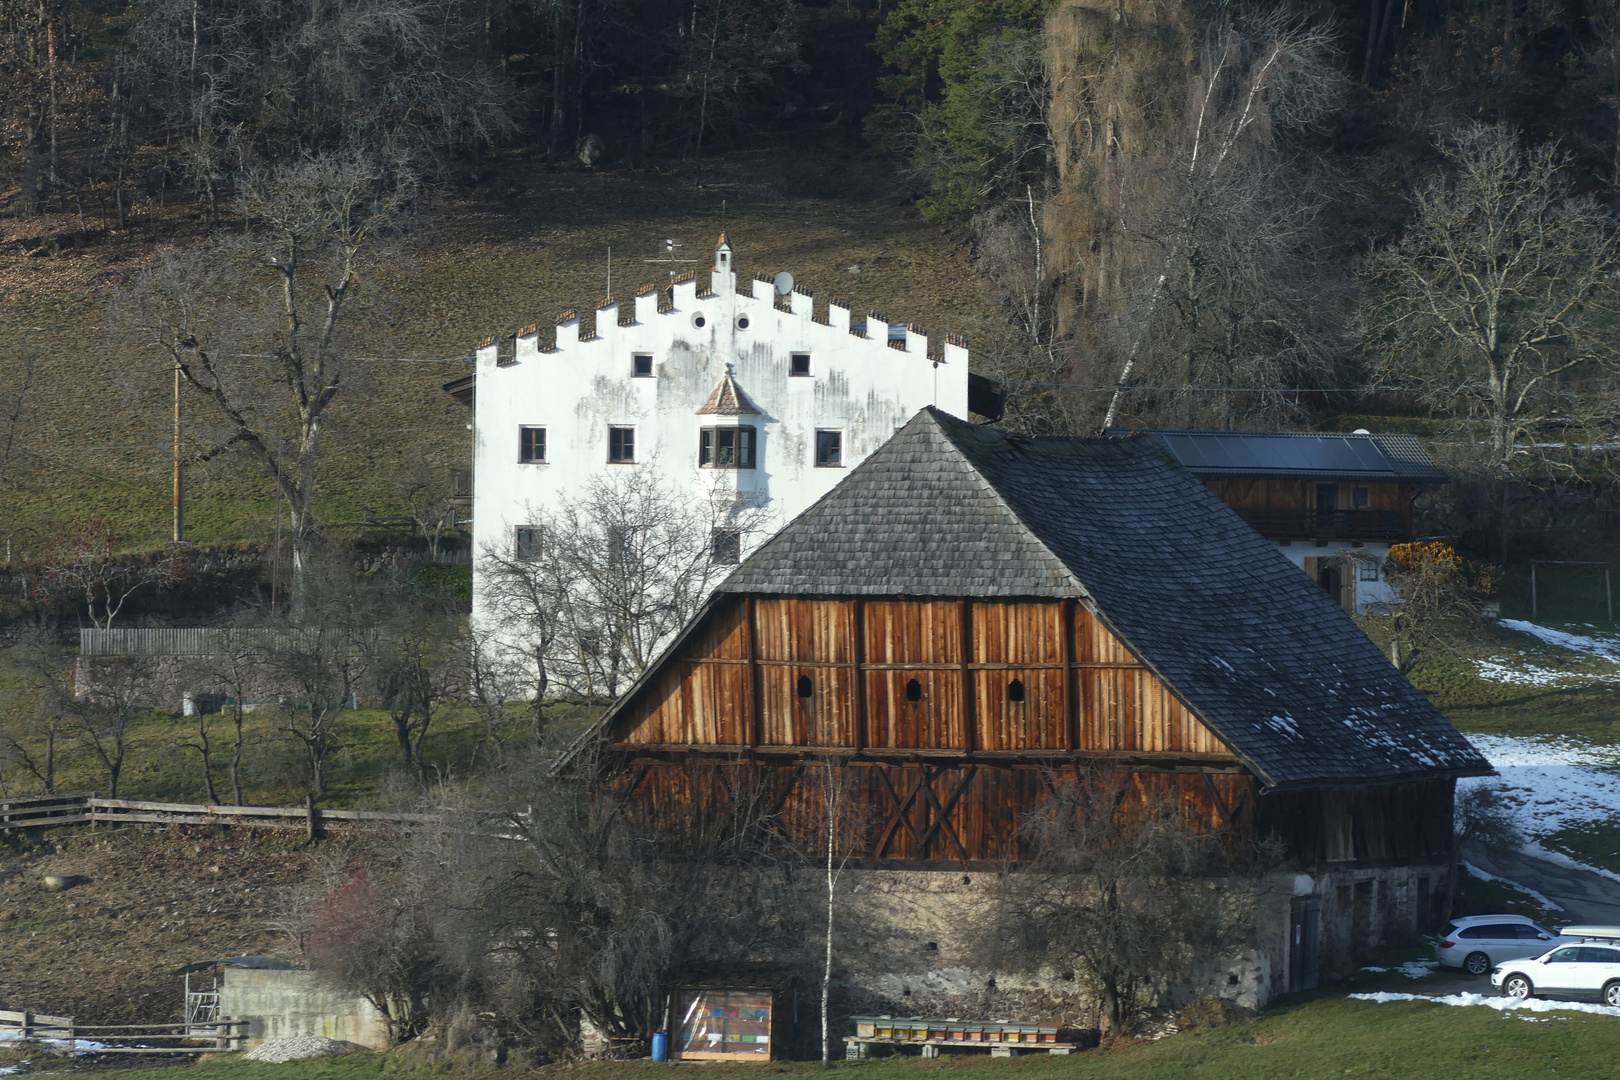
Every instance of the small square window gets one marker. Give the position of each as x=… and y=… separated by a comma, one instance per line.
x=726, y=448
x=526, y=542
x=621, y=445
x=829, y=449
x=1367, y=572
x=641, y=365
x=725, y=547
x=799, y=365
x=1361, y=498
x=532, y=445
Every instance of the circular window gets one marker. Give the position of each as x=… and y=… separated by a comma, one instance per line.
x=742, y=322
x=699, y=321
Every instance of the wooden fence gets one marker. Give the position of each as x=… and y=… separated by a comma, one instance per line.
x=76, y=808
x=222, y=1034
x=187, y=641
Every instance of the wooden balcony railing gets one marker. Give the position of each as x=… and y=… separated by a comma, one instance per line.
x=1387, y=525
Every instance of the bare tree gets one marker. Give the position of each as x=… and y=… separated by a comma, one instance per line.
x=105, y=708
x=268, y=371
x=1210, y=261
x=320, y=660
x=237, y=666
x=418, y=669
x=1442, y=599
x=1125, y=891
x=82, y=564
x=1500, y=293
x=597, y=588
x=729, y=52
x=368, y=935
x=1480, y=816
x=37, y=702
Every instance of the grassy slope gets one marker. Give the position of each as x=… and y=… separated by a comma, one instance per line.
x=90, y=438
x=1325, y=1037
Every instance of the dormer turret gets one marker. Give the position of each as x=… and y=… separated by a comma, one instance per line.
x=724, y=277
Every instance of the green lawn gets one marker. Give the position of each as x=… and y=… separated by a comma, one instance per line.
x=1320, y=1038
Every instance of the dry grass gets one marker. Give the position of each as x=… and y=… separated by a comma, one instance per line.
x=485, y=265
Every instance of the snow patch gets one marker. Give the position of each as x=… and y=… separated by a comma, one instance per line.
x=1476, y=872
x=1503, y=1004
x=1551, y=784
x=1522, y=674
x=1592, y=645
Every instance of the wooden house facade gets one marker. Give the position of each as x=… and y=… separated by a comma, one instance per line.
x=972, y=616
x=1333, y=502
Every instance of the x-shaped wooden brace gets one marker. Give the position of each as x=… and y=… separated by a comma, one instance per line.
x=942, y=811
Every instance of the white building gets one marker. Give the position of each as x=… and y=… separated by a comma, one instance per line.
x=720, y=388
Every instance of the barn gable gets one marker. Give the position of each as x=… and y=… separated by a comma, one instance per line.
x=835, y=675
x=1230, y=649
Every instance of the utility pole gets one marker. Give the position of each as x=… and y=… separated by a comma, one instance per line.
x=179, y=509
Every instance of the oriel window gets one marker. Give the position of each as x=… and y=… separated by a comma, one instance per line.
x=726, y=448
x=532, y=445
x=621, y=445
x=829, y=449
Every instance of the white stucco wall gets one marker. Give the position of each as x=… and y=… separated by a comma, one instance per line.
x=858, y=385
x=1367, y=592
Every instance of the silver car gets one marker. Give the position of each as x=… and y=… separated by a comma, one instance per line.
x=1477, y=943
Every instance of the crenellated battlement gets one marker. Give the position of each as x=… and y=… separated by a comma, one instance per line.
x=690, y=295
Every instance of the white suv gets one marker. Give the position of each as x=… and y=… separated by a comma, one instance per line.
x=1588, y=970
x=1477, y=942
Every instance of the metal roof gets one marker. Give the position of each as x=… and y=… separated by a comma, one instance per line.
x=1300, y=455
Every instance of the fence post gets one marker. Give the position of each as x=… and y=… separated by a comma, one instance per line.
x=27, y=1025
x=1532, y=588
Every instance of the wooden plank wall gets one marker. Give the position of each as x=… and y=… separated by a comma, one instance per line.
x=947, y=814
x=1272, y=494
x=944, y=676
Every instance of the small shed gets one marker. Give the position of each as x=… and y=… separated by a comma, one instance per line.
x=740, y=1016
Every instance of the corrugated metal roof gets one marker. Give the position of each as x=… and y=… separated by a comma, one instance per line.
x=1390, y=457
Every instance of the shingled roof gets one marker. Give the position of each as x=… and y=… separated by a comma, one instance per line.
x=1253, y=646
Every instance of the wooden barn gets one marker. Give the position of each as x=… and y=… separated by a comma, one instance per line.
x=970, y=613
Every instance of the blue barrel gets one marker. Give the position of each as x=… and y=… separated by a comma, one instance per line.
x=660, y=1047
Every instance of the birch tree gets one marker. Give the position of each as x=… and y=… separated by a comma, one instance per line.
x=1498, y=297
x=1226, y=253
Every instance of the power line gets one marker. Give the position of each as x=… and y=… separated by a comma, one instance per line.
x=1208, y=389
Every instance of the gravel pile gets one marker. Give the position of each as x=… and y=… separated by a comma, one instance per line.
x=300, y=1046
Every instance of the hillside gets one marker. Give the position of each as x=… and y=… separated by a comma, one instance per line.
x=84, y=435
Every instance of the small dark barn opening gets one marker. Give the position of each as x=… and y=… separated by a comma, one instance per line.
x=1015, y=690
x=913, y=690
x=805, y=688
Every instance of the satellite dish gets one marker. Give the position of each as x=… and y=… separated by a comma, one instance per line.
x=784, y=283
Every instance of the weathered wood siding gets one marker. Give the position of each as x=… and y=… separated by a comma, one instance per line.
x=950, y=814
x=942, y=676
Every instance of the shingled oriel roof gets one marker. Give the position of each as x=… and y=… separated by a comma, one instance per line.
x=728, y=398
x=1250, y=644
